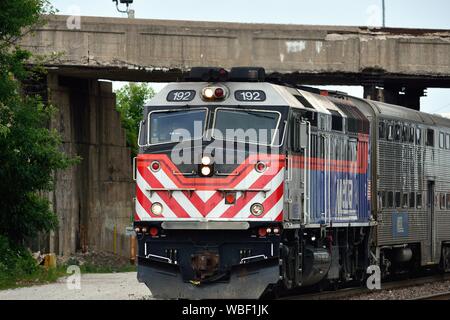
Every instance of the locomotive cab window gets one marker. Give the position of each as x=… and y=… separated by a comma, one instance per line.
x=430, y=138
x=256, y=126
x=171, y=125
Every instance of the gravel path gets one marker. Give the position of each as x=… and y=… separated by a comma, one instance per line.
x=406, y=293
x=108, y=286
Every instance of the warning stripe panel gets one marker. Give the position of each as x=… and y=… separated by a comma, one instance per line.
x=208, y=202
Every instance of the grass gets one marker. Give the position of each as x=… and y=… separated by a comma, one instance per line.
x=40, y=276
x=43, y=276
x=18, y=267
x=91, y=268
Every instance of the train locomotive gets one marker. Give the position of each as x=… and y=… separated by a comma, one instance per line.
x=245, y=185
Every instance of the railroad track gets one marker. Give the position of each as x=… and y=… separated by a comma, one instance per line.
x=437, y=296
x=350, y=292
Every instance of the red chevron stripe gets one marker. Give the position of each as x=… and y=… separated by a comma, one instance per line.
x=170, y=201
x=243, y=200
x=270, y=201
x=145, y=203
x=212, y=183
x=206, y=207
x=206, y=183
x=279, y=217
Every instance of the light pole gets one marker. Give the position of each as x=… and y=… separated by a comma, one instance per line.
x=126, y=2
x=384, y=13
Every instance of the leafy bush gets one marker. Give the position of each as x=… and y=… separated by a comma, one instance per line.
x=15, y=261
x=29, y=152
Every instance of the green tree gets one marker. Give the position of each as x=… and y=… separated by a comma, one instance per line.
x=130, y=104
x=29, y=151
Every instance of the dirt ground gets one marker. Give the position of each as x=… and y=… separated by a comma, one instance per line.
x=106, y=286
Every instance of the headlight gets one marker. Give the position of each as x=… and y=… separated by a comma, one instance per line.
x=257, y=209
x=206, y=161
x=157, y=208
x=206, y=171
x=208, y=93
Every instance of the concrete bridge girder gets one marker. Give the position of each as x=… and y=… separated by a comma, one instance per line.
x=160, y=51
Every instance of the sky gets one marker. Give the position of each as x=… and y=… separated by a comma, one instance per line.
x=430, y=14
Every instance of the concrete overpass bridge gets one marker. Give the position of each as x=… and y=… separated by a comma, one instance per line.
x=93, y=200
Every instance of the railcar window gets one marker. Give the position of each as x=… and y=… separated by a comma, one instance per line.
x=405, y=200
x=447, y=141
x=419, y=200
x=448, y=201
x=390, y=133
x=397, y=132
x=169, y=126
x=383, y=199
x=441, y=140
x=411, y=134
x=418, y=136
x=390, y=199
x=255, y=126
x=442, y=201
x=397, y=199
x=412, y=197
x=430, y=138
x=382, y=130
x=405, y=134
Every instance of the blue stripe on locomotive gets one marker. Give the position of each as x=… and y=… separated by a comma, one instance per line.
x=350, y=200
x=349, y=197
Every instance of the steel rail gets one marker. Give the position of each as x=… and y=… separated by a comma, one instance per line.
x=351, y=292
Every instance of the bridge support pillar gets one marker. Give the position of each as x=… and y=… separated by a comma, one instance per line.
x=93, y=199
x=406, y=96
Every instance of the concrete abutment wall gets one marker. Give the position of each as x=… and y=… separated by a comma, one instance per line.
x=93, y=199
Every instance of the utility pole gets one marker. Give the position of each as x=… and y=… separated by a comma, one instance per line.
x=384, y=13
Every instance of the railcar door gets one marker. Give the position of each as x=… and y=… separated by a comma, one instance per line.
x=430, y=212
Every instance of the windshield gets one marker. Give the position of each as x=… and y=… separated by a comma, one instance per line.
x=246, y=125
x=170, y=126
